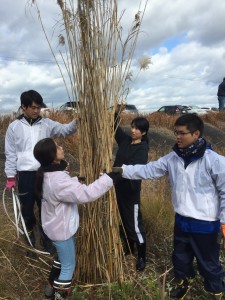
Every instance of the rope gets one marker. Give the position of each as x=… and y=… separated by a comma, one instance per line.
x=19, y=219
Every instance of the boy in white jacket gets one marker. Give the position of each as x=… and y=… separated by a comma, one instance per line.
x=21, y=166
x=60, y=195
x=197, y=179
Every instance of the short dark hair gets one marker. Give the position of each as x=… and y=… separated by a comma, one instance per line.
x=45, y=151
x=142, y=124
x=224, y=79
x=26, y=98
x=192, y=121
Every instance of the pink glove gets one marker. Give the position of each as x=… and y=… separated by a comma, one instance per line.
x=223, y=232
x=10, y=183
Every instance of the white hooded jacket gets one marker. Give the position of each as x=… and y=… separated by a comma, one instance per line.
x=21, y=138
x=198, y=191
x=61, y=194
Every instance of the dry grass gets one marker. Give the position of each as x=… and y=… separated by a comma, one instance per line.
x=20, y=277
x=4, y=122
x=162, y=120
x=25, y=278
x=213, y=118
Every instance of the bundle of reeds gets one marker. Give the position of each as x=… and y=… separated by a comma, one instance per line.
x=98, y=61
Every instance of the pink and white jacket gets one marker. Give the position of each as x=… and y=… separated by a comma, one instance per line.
x=61, y=194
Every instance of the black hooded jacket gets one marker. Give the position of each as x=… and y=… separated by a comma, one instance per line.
x=130, y=154
x=221, y=90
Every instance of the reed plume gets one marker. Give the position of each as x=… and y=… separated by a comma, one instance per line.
x=97, y=58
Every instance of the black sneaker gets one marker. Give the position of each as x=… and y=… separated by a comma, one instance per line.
x=140, y=265
x=180, y=289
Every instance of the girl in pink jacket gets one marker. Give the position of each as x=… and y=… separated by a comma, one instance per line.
x=60, y=193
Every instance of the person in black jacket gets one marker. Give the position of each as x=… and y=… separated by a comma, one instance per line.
x=132, y=150
x=221, y=94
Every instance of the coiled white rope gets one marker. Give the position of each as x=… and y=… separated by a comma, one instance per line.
x=19, y=219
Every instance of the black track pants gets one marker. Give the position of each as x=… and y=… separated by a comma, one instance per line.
x=129, y=207
x=26, y=184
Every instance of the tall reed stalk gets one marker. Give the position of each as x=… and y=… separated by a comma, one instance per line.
x=97, y=59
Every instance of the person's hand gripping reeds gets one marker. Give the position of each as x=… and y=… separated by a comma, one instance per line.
x=10, y=183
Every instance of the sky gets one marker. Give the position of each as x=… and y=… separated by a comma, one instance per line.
x=186, y=43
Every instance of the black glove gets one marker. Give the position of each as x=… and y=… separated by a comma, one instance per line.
x=114, y=176
x=81, y=179
x=117, y=170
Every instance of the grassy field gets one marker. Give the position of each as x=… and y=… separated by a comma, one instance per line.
x=24, y=278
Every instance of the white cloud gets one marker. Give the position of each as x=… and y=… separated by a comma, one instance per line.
x=186, y=43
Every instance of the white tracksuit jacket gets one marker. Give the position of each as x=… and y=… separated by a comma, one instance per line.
x=197, y=191
x=21, y=138
x=61, y=194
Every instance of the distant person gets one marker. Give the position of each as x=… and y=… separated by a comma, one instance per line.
x=196, y=176
x=21, y=166
x=132, y=149
x=221, y=95
x=60, y=195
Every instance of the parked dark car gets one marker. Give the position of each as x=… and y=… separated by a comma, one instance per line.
x=173, y=109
